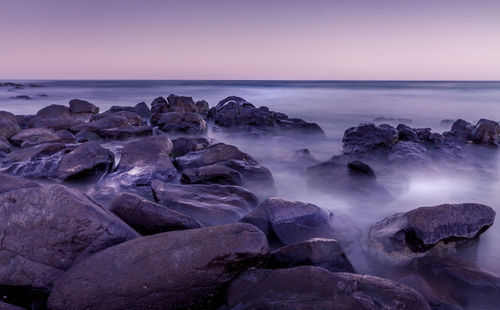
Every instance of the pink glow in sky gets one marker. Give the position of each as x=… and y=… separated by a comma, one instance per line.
x=237, y=39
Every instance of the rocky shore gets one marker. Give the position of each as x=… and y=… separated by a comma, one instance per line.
x=137, y=207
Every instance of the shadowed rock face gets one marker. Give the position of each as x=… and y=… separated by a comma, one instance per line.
x=486, y=132
x=210, y=204
x=180, y=123
x=77, y=106
x=426, y=231
x=182, y=146
x=366, y=137
x=47, y=229
x=317, y=288
x=236, y=113
x=226, y=164
x=173, y=270
x=288, y=222
x=148, y=217
x=34, y=136
x=325, y=253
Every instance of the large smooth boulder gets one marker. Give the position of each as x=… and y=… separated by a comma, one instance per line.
x=87, y=159
x=210, y=204
x=54, y=111
x=366, y=137
x=77, y=106
x=287, y=222
x=57, y=123
x=184, y=145
x=47, y=229
x=8, y=183
x=426, y=231
x=109, y=120
x=5, y=145
x=486, y=132
x=34, y=136
x=144, y=160
x=147, y=217
x=320, y=252
x=236, y=113
x=141, y=108
x=317, y=288
x=8, y=128
x=180, y=123
x=175, y=270
x=181, y=104
x=226, y=164
x=122, y=133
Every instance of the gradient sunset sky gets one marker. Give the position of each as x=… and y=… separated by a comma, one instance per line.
x=252, y=39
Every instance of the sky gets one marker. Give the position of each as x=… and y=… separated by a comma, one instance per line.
x=250, y=39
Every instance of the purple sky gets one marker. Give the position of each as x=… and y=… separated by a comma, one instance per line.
x=250, y=39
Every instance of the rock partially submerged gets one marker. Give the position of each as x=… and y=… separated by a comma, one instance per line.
x=173, y=270
x=210, y=204
x=238, y=114
x=288, y=222
x=87, y=159
x=316, y=288
x=441, y=230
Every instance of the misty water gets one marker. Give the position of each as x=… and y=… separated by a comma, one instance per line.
x=335, y=106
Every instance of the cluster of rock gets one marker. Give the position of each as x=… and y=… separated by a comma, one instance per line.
x=193, y=223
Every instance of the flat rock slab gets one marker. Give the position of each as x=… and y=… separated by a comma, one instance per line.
x=173, y=270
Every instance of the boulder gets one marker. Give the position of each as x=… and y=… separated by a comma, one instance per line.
x=202, y=107
x=8, y=183
x=34, y=136
x=210, y=204
x=87, y=159
x=47, y=229
x=226, y=164
x=187, y=123
x=65, y=123
x=181, y=103
x=122, y=133
x=5, y=145
x=85, y=135
x=141, y=109
x=65, y=136
x=309, y=287
x=145, y=160
x=7, y=115
x=288, y=222
x=186, y=269
x=22, y=120
x=367, y=137
x=405, y=133
x=184, y=145
x=8, y=128
x=147, y=217
x=426, y=231
x=54, y=111
x=236, y=113
x=486, y=132
x=325, y=253
x=77, y=106
x=109, y=120
x=159, y=105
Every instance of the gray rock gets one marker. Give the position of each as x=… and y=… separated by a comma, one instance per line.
x=186, y=269
x=8, y=128
x=148, y=217
x=54, y=111
x=325, y=253
x=77, y=106
x=8, y=183
x=5, y=145
x=122, y=133
x=109, y=120
x=202, y=107
x=316, y=288
x=486, y=132
x=34, y=136
x=367, y=137
x=427, y=231
x=288, y=222
x=47, y=229
x=87, y=159
x=65, y=123
x=184, y=104
x=184, y=145
x=210, y=204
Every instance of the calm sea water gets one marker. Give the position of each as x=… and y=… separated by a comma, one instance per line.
x=335, y=106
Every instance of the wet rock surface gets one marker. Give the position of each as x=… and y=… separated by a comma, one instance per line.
x=173, y=270
x=317, y=288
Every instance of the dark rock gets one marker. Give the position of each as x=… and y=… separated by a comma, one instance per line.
x=210, y=204
x=406, y=133
x=8, y=183
x=122, y=133
x=34, y=136
x=355, y=179
x=145, y=160
x=53, y=123
x=5, y=145
x=6, y=306
x=148, y=217
x=226, y=164
x=316, y=288
x=109, y=120
x=77, y=106
x=202, y=107
x=325, y=253
x=21, y=97
x=7, y=115
x=486, y=132
x=288, y=222
x=47, y=229
x=54, y=111
x=185, y=104
x=188, y=123
x=87, y=159
x=427, y=231
x=8, y=128
x=141, y=109
x=186, y=269
x=65, y=136
x=367, y=137
x=159, y=105
x=183, y=145
x=236, y=113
